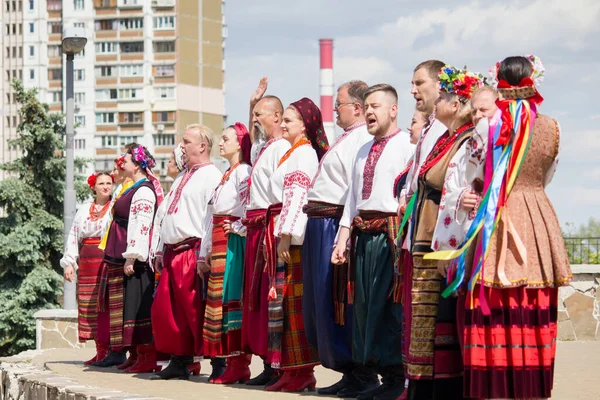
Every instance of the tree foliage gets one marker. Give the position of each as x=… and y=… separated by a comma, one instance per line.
x=31, y=226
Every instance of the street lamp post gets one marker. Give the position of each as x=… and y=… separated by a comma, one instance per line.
x=73, y=42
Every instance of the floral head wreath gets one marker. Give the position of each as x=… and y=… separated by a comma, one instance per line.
x=139, y=155
x=526, y=89
x=459, y=82
x=120, y=161
x=91, y=180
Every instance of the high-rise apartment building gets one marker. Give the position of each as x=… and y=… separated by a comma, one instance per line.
x=150, y=68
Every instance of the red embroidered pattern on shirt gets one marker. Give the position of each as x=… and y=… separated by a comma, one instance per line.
x=369, y=172
x=145, y=230
x=296, y=180
x=184, y=180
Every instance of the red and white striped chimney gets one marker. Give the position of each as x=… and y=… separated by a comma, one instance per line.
x=326, y=86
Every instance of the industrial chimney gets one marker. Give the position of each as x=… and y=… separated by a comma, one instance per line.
x=326, y=86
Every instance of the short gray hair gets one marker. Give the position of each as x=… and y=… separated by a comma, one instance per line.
x=206, y=134
x=356, y=90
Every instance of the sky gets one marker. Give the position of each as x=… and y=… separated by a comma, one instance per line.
x=381, y=41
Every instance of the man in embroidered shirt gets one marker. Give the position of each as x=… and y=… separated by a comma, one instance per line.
x=328, y=323
x=266, y=116
x=370, y=211
x=178, y=309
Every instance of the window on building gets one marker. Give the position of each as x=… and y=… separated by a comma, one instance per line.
x=55, y=97
x=14, y=29
x=165, y=70
x=132, y=47
x=14, y=51
x=31, y=28
x=8, y=75
x=80, y=121
x=31, y=5
x=7, y=6
x=163, y=116
x=107, y=25
x=131, y=70
x=54, y=51
x=106, y=94
x=20, y=29
x=14, y=73
x=110, y=141
x=106, y=47
x=79, y=98
x=105, y=118
x=8, y=29
x=164, y=22
x=124, y=140
x=54, y=5
x=104, y=3
x=15, y=123
x=20, y=51
x=20, y=5
x=79, y=74
x=165, y=92
x=105, y=71
x=131, y=23
x=14, y=5
x=20, y=74
x=130, y=94
x=131, y=117
x=79, y=144
x=31, y=51
x=164, y=47
x=164, y=140
x=125, y=3
x=55, y=27
x=79, y=25
x=54, y=74
x=8, y=122
x=78, y=4
x=32, y=74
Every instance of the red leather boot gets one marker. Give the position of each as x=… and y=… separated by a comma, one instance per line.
x=285, y=379
x=237, y=370
x=194, y=368
x=131, y=360
x=304, y=379
x=101, y=352
x=146, y=360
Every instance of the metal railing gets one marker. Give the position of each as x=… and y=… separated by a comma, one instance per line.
x=583, y=250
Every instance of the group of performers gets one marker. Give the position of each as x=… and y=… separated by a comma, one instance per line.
x=430, y=260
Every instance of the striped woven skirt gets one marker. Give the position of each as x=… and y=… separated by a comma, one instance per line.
x=296, y=351
x=510, y=353
x=88, y=281
x=223, y=315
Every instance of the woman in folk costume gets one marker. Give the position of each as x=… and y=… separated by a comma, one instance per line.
x=433, y=357
x=289, y=349
x=127, y=280
x=83, y=255
x=513, y=258
x=222, y=253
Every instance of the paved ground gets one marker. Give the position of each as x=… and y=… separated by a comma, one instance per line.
x=577, y=377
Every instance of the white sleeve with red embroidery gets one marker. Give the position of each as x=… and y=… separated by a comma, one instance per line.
x=453, y=222
x=71, y=254
x=155, y=244
x=476, y=155
x=141, y=217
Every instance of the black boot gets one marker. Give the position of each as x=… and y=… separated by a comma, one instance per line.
x=347, y=380
x=113, y=358
x=393, y=381
x=177, y=369
x=263, y=378
x=218, y=368
x=365, y=380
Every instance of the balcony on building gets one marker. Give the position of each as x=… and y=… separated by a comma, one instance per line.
x=131, y=51
x=105, y=7
x=164, y=50
x=131, y=28
x=163, y=73
x=54, y=32
x=130, y=4
x=106, y=121
x=54, y=8
x=55, y=78
x=106, y=75
x=164, y=27
x=106, y=28
x=162, y=3
x=54, y=55
x=163, y=121
x=131, y=121
x=107, y=52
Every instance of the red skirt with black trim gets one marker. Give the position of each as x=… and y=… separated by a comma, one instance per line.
x=510, y=353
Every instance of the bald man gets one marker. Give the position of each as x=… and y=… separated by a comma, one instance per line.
x=178, y=312
x=266, y=114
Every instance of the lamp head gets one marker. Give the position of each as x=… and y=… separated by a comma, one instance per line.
x=74, y=40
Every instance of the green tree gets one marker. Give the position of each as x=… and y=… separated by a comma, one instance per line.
x=31, y=225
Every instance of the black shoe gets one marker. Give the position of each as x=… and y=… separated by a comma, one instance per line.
x=113, y=358
x=177, y=369
x=393, y=391
x=346, y=381
x=370, y=393
x=264, y=378
x=357, y=387
x=218, y=368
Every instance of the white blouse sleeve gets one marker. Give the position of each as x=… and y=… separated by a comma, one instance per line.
x=206, y=243
x=552, y=170
x=292, y=220
x=453, y=222
x=155, y=244
x=476, y=151
x=243, y=190
x=71, y=254
x=141, y=217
